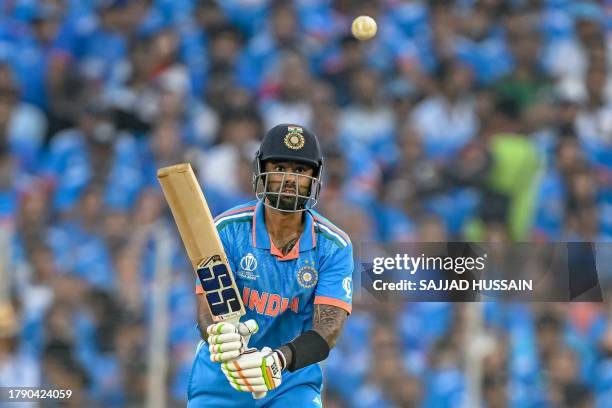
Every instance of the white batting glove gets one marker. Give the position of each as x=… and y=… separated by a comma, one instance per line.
x=255, y=371
x=226, y=341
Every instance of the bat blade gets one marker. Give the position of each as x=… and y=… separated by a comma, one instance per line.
x=199, y=235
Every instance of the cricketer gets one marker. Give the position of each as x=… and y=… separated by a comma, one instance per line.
x=294, y=269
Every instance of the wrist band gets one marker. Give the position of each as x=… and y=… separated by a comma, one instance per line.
x=308, y=348
x=282, y=358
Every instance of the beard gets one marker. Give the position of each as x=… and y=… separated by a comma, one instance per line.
x=287, y=201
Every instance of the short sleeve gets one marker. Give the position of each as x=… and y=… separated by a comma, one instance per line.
x=335, y=286
x=225, y=235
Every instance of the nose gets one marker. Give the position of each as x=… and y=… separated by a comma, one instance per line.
x=290, y=178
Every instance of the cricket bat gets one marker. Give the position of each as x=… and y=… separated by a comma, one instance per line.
x=204, y=249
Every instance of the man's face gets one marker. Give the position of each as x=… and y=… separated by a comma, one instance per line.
x=288, y=186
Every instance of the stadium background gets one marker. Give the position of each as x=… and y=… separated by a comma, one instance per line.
x=479, y=120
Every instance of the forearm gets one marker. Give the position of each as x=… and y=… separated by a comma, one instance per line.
x=328, y=321
x=313, y=346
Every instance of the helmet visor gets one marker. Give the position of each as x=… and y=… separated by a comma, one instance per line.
x=289, y=192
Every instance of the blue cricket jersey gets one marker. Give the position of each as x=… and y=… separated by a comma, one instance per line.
x=278, y=291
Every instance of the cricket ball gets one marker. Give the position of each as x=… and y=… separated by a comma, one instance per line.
x=364, y=28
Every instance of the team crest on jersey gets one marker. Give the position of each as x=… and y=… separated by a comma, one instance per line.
x=248, y=264
x=307, y=276
x=294, y=139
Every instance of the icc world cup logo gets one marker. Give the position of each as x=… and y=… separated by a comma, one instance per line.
x=248, y=263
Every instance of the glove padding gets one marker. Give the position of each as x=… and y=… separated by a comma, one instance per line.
x=227, y=341
x=254, y=371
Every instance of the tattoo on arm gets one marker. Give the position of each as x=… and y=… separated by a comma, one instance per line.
x=328, y=322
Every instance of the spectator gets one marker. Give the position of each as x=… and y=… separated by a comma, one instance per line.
x=527, y=83
x=503, y=201
x=340, y=68
x=482, y=45
x=237, y=136
x=82, y=245
x=94, y=144
x=165, y=146
x=36, y=51
x=22, y=125
x=567, y=59
x=593, y=124
x=289, y=102
x=368, y=124
x=566, y=388
x=447, y=120
x=224, y=47
x=17, y=369
x=131, y=95
x=129, y=339
x=8, y=196
x=62, y=371
x=265, y=49
x=324, y=112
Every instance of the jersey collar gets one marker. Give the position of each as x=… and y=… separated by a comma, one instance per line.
x=261, y=239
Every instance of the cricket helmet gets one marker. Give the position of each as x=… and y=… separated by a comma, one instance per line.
x=288, y=143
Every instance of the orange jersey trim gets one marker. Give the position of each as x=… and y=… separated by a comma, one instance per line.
x=293, y=254
x=325, y=300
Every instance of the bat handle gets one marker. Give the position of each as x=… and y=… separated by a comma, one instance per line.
x=252, y=328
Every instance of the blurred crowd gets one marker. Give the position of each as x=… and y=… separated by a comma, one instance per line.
x=481, y=120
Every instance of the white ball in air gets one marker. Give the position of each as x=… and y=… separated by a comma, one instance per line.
x=364, y=28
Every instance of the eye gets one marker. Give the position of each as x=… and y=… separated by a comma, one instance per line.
x=300, y=169
x=279, y=168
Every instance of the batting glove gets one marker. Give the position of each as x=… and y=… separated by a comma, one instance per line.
x=255, y=371
x=227, y=341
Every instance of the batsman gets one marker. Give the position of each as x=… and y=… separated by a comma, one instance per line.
x=293, y=268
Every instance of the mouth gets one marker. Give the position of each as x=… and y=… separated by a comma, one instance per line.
x=290, y=190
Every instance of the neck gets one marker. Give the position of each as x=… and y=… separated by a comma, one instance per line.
x=283, y=226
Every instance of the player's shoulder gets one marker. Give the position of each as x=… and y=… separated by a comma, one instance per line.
x=329, y=231
x=238, y=214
